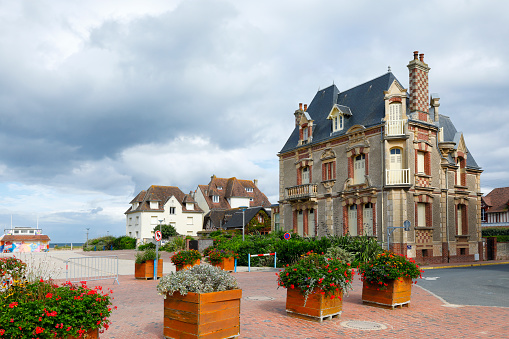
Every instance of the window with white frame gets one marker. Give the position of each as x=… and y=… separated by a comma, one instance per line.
x=305, y=175
x=420, y=162
x=421, y=214
x=329, y=170
x=189, y=206
x=458, y=172
x=337, y=122
x=154, y=204
x=367, y=219
x=352, y=220
x=305, y=133
x=395, y=111
x=189, y=220
x=215, y=198
x=220, y=188
x=171, y=210
x=137, y=220
x=249, y=189
x=359, y=169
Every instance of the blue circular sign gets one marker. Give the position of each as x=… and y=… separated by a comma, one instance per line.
x=287, y=236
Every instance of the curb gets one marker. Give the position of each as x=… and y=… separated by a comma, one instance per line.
x=465, y=265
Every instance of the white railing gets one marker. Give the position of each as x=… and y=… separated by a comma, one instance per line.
x=395, y=127
x=301, y=191
x=397, y=177
x=92, y=268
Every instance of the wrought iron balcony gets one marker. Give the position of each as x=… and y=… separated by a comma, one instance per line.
x=305, y=191
x=394, y=127
x=397, y=177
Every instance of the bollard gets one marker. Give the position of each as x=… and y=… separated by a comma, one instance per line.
x=95, y=248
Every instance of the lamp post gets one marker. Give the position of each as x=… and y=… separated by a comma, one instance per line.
x=243, y=220
x=86, y=244
x=157, y=251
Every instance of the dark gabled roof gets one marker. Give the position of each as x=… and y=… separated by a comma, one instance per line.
x=216, y=218
x=237, y=217
x=232, y=187
x=161, y=194
x=365, y=101
x=451, y=134
x=498, y=200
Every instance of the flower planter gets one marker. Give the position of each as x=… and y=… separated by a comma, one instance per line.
x=183, y=267
x=317, y=306
x=90, y=334
x=202, y=315
x=397, y=293
x=227, y=264
x=146, y=269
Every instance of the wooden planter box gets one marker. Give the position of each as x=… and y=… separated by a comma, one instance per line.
x=396, y=294
x=227, y=264
x=317, y=307
x=179, y=268
x=91, y=334
x=205, y=315
x=146, y=270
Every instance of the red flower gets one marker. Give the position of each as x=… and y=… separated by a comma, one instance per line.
x=49, y=295
x=13, y=304
x=2, y=331
x=292, y=286
x=39, y=330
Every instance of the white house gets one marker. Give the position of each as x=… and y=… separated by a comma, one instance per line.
x=166, y=205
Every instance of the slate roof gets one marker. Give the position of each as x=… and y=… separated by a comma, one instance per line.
x=162, y=194
x=498, y=200
x=365, y=101
x=367, y=108
x=451, y=134
x=232, y=187
x=235, y=221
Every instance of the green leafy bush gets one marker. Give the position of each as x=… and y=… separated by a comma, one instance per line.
x=314, y=272
x=494, y=231
x=148, y=255
x=143, y=247
x=175, y=244
x=167, y=231
x=339, y=253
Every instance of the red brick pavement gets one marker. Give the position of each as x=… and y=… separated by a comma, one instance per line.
x=140, y=314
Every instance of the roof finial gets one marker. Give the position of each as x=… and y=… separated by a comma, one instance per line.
x=389, y=69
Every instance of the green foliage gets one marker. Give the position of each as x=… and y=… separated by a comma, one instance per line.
x=197, y=279
x=147, y=255
x=110, y=242
x=314, y=272
x=289, y=251
x=43, y=309
x=495, y=231
x=143, y=247
x=185, y=257
x=502, y=238
x=175, y=244
x=167, y=231
x=388, y=266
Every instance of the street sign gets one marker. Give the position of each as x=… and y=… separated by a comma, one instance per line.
x=287, y=236
x=158, y=235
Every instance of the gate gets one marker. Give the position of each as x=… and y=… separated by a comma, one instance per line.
x=491, y=248
x=92, y=268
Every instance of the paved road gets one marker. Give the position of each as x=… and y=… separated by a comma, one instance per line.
x=480, y=285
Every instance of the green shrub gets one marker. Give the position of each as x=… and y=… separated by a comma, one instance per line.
x=339, y=253
x=173, y=245
x=147, y=255
x=494, y=231
x=143, y=247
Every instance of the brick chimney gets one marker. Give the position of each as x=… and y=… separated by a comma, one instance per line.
x=419, y=87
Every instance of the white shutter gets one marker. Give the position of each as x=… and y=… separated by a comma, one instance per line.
x=421, y=214
x=352, y=219
x=420, y=162
x=367, y=219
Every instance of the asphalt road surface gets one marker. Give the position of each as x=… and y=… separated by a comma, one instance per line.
x=479, y=285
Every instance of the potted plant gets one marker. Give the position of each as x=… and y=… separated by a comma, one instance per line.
x=185, y=259
x=144, y=264
x=387, y=279
x=315, y=286
x=224, y=259
x=43, y=309
x=202, y=301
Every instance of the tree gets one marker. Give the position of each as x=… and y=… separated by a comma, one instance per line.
x=167, y=231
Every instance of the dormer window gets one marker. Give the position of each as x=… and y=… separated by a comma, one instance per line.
x=305, y=134
x=189, y=206
x=215, y=198
x=154, y=205
x=220, y=188
x=337, y=115
x=249, y=189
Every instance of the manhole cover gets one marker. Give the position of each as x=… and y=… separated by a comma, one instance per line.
x=363, y=325
x=259, y=298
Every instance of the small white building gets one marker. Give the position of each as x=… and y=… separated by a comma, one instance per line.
x=166, y=205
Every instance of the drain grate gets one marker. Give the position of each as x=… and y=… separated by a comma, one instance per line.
x=259, y=298
x=363, y=325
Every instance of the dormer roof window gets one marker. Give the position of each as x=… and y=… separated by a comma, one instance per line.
x=337, y=115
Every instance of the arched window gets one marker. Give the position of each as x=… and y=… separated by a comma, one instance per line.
x=395, y=159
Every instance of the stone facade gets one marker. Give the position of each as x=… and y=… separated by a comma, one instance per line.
x=375, y=157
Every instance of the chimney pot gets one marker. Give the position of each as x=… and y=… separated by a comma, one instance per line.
x=300, y=106
x=416, y=53
x=421, y=57
x=305, y=107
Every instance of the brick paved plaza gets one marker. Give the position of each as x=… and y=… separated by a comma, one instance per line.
x=140, y=314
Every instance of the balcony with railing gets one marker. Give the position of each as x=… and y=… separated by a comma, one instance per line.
x=301, y=192
x=397, y=177
x=395, y=127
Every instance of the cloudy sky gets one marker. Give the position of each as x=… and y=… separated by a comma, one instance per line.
x=101, y=99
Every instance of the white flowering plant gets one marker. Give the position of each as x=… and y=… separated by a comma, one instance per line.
x=197, y=279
